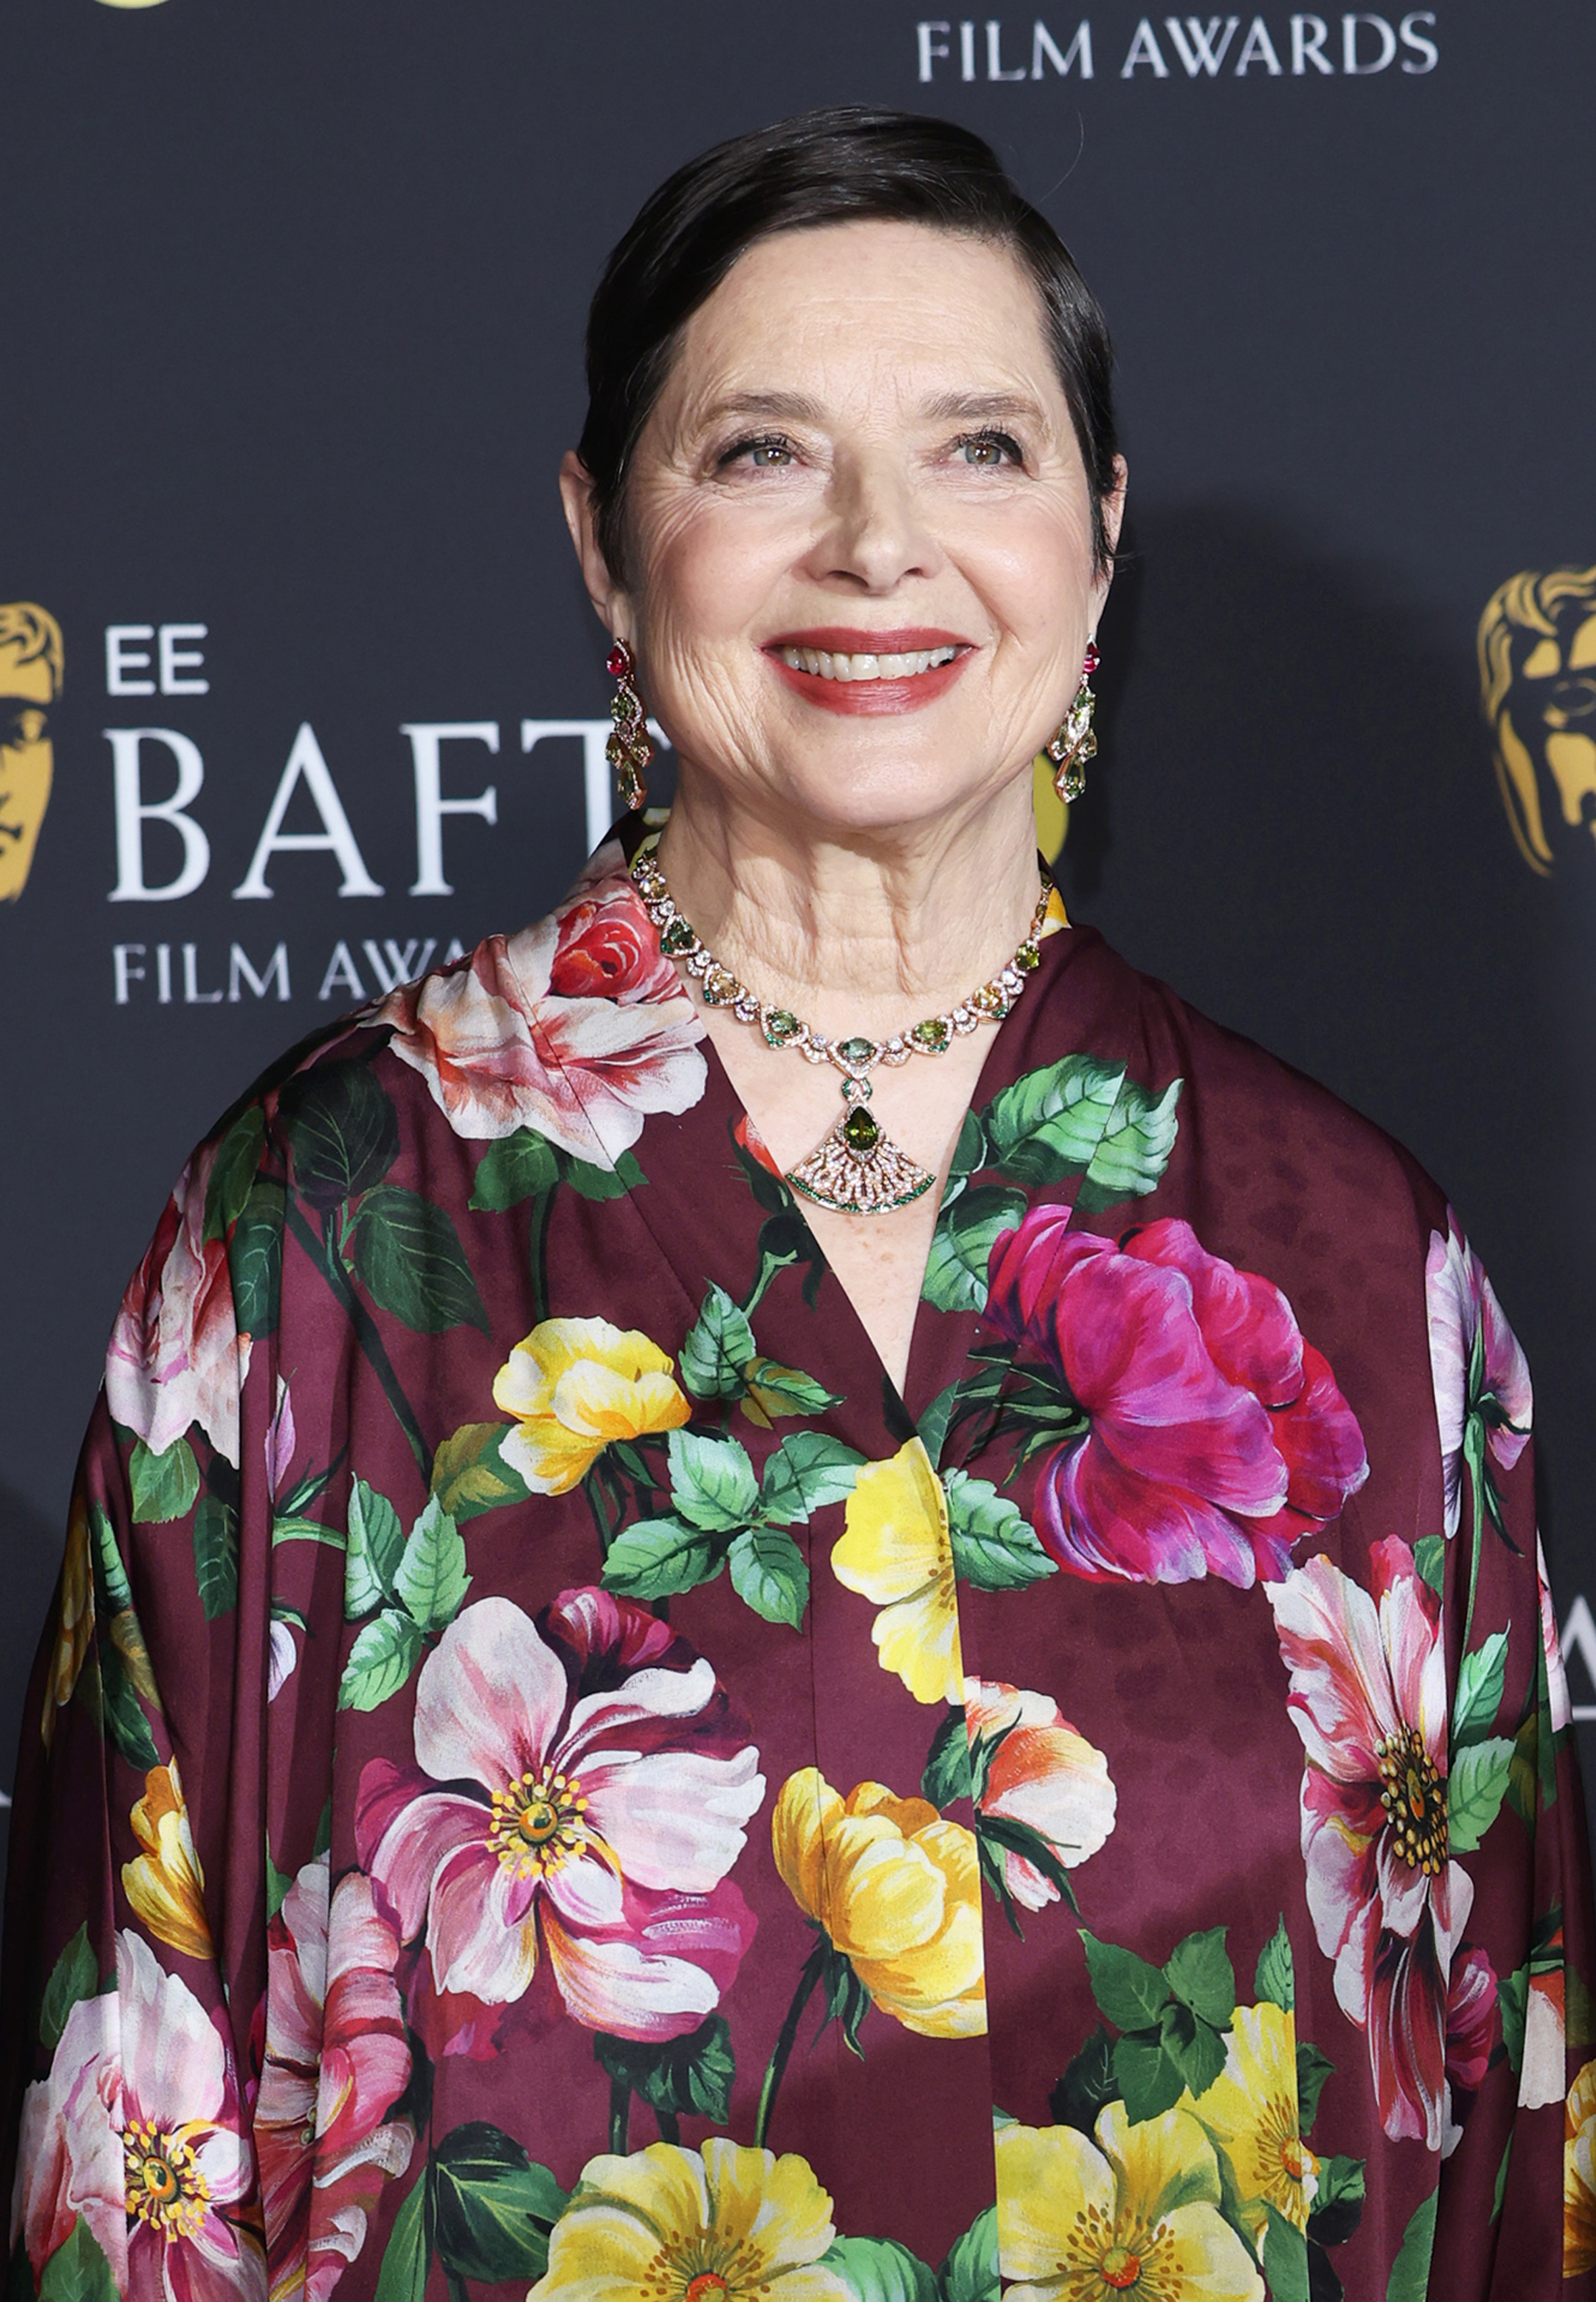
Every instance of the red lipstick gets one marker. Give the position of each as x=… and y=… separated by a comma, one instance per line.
x=870, y=697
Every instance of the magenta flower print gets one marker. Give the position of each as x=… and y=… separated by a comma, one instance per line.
x=1369, y=1699
x=336, y=2059
x=1203, y=1435
x=1483, y=1402
x=136, y=2129
x=581, y=1791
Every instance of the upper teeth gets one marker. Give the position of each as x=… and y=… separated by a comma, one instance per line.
x=825, y=665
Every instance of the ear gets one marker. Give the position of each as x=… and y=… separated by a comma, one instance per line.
x=610, y=603
x=1114, y=520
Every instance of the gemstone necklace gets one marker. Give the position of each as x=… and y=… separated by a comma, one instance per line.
x=856, y=1168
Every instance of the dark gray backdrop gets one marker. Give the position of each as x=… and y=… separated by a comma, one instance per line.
x=294, y=295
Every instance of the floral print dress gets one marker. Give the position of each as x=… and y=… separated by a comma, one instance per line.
x=548, y=1774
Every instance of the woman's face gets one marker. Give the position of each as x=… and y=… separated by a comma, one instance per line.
x=862, y=579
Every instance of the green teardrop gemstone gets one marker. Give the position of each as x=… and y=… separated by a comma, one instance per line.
x=932, y=1034
x=861, y=1132
x=856, y=1051
x=678, y=936
x=780, y=1024
x=1027, y=958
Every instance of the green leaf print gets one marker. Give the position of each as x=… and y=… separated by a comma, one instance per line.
x=807, y=1473
x=376, y=1543
x=342, y=1131
x=164, y=1486
x=712, y=1482
x=656, y=1558
x=1285, y=2258
x=993, y=1547
x=470, y=1474
x=1482, y=1677
x=1409, y=2280
x=947, y=1776
x=1339, y=2203
x=1088, y=2086
x=430, y=1581
x=1513, y=2003
x=1475, y=1789
x=232, y=1172
x=769, y=1575
x=77, y=2270
x=971, y=2271
x=770, y=1390
x=1430, y=1556
x=493, y=2207
x=1200, y=1974
x=1275, y=1977
x=403, y=2276
x=255, y=1258
x=879, y=2270
x=1130, y=1161
x=1048, y=1126
x=718, y=1347
x=596, y=1182
x=676, y=2078
x=75, y=1975
x=966, y=1230
x=1130, y=1993
x=408, y=1257
x=1313, y=2066
x=1148, y=2076
x=216, y=1556
x=279, y=1886
x=519, y=1167
x=381, y=1658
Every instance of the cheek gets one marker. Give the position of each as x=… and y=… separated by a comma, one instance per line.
x=708, y=566
x=1034, y=571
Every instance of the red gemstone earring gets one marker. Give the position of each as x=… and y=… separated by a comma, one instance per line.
x=1074, y=744
x=629, y=750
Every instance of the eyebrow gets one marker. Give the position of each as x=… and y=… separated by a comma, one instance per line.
x=954, y=406
x=777, y=406
x=980, y=406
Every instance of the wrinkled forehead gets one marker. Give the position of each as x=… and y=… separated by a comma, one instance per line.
x=845, y=314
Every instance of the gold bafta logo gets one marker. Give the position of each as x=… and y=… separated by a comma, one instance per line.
x=1538, y=684
x=30, y=669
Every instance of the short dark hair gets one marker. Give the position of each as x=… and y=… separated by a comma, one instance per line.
x=847, y=164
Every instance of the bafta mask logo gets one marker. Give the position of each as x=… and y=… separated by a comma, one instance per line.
x=30, y=665
x=1538, y=684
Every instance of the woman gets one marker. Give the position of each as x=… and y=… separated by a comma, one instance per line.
x=786, y=1587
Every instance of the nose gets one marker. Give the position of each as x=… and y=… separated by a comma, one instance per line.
x=873, y=537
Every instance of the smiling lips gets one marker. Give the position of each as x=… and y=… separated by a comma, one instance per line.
x=844, y=669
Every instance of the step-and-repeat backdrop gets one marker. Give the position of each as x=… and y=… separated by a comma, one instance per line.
x=299, y=691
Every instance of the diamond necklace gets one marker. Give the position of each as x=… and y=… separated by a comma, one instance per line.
x=856, y=1168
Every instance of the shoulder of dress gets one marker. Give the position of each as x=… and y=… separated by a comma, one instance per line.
x=1235, y=1090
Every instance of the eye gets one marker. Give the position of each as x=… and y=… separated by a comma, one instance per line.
x=768, y=453
x=989, y=451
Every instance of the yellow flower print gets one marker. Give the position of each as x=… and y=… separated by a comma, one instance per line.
x=895, y=1549
x=1131, y=2217
x=1250, y=2111
x=726, y=2224
x=897, y=1891
x=575, y=1386
x=1579, y=2175
x=74, y=1621
x=165, y=1884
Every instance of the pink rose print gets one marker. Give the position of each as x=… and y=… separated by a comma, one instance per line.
x=578, y=1028
x=336, y=2061
x=1040, y=1772
x=600, y=1783
x=137, y=2130
x=1211, y=1436
x=1483, y=1403
x=176, y=1355
x=1369, y=1699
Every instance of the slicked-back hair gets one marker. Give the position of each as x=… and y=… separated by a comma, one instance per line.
x=844, y=164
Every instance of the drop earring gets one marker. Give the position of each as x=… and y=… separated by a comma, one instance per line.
x=1075, y=743
x=629, y=750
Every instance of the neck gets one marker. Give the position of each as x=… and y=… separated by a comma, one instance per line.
x=857, y=931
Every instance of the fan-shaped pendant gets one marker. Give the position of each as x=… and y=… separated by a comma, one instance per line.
x=859, y=1170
